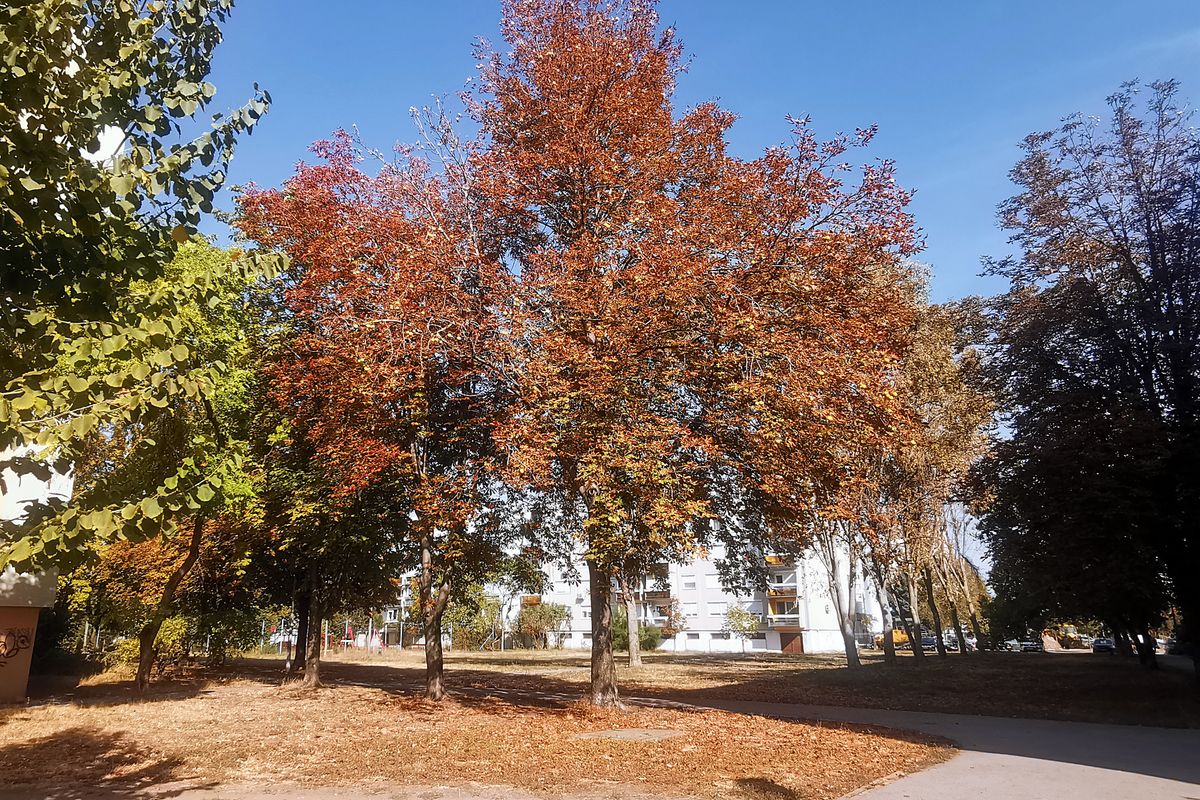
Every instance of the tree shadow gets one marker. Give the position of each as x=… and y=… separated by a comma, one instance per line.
x=84, y=763
x=838, y=697
x=763, y=789
x=1159, y=752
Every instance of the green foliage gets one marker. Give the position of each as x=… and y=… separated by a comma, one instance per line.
x=97, y=335
x=76, y=227
x=473, y=620
x=649, y=637
x=173, y=640
x=536, y=622
x=741, y=623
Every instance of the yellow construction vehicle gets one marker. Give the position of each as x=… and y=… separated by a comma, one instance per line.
x=899, y=639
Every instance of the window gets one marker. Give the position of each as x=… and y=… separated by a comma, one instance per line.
x=693, y=636
x=566, y=635
x=785, y=608
x=778, y=578
x=391, y=615
x=690, y=583
x=759, y=635
x=717, y=609
x=721, y=635
x=689, y=609
x=754, y=608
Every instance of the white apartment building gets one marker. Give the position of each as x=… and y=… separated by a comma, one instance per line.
x=798, y=614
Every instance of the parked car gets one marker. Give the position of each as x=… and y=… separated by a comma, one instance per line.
x=1178, y=648
x=1103, y=646
x=1031, y=646
x=928, y=644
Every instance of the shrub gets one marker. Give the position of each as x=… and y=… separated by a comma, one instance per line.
x=536, y=622
x=649, y=637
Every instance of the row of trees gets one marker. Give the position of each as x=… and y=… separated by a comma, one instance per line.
x=1095, y=355
x=588, y=328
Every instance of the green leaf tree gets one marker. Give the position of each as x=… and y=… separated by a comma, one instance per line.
x=104, y=171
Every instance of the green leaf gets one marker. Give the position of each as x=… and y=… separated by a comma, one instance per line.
x=151, y=508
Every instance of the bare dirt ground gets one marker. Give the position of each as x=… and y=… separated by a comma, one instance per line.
x=235, y=732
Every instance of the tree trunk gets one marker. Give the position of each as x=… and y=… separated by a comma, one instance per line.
x=937, y=615
x=303, y=612
x=166, y=603
x=885, y=611
x=1120, y=641
x=603, y=690
x=631, y=620
x=977, y=630
x=913, y=626
x=435, y=680
x=433, y=607
x=1147, y=649
x=958, y=628
x=914, y=642
x=312, y=642
x=844, y=614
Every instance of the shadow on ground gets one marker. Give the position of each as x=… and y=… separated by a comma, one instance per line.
x=103, y=765
x=998, y=685
x=1154, y=751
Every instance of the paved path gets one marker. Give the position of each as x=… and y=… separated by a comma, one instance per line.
x=1027, y=759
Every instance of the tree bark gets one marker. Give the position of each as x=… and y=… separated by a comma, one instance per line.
x=977, y=630
x=631, y=620
x=939, y=643
x=958, y=629
x=603, y=690
x=885, y=611
x=433, y=606
x=166, y=604
x=303, y=611
x=312, y=641
x=845, y=610
x=913, y=626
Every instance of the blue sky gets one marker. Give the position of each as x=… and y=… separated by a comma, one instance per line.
x=954, y=87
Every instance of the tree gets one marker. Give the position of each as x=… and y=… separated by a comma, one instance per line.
x=1097, y=352
x=684, y=321
x=87, y=330
x=908, y=484
x=538, y=621
x=742, y=623
x=836, y=546
x=392, y=373
x=199, y=433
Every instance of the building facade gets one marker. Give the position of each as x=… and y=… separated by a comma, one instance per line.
x=797, y=613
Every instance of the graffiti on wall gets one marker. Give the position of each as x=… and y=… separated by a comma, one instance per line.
x=13, y=641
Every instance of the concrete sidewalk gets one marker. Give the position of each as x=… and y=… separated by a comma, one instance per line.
x=1026, y=759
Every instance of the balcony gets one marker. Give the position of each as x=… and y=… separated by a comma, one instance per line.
x=781, y=591
x=657, y=596
x=779, y=561
x=531, y=600
x=783, y=621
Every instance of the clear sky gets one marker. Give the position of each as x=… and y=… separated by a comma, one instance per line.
x=953, y=86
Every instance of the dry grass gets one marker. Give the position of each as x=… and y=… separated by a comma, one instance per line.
x=243, y=729
x=1066, y=686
